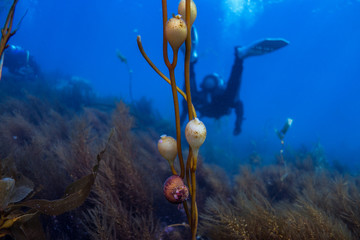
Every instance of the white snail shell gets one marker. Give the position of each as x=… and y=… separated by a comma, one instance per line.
x=195, y=133
x=167, y=147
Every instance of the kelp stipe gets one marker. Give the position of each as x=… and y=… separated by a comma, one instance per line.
x=175, y=31
x=7, y=32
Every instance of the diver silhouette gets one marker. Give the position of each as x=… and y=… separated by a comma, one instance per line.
x=19, y=62
x=217, y=98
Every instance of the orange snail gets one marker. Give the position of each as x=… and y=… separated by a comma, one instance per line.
x=175, y=190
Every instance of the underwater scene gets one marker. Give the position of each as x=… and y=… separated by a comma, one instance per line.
x=180, y=119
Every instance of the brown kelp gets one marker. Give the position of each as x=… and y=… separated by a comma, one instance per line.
x=176, y=31
x=7, y=32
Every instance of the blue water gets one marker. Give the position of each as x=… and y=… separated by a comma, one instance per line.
x=314, y=80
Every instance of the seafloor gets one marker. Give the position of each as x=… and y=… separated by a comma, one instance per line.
x=51, y=135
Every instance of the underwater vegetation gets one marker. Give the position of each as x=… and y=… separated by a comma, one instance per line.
x=306, y=205
x=28, y=147
x=51, y=144
x=59, y=137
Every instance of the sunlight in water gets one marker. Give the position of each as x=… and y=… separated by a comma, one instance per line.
x=241, y=13
x=238, y=7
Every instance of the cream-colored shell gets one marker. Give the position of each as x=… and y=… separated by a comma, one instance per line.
x=182, y=10
x=175, y=32
x=195, y=133
x=167, y=147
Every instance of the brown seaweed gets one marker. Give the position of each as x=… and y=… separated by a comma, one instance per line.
x=11, y=213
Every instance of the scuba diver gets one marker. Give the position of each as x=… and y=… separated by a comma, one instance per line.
x=20, y=63
x=217, y=98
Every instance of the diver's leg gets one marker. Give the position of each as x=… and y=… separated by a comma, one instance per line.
x=239, y=111
x=233, y=85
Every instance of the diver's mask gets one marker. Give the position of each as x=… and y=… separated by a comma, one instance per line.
x=212, y=82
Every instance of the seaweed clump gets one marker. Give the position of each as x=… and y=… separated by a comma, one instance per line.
x=37, y=131
x=123, y=202
x=307, y=204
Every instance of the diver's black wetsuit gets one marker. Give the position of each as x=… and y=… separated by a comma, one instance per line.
x=222, y=100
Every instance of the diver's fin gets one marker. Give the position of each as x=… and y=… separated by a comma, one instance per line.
x=261, y=47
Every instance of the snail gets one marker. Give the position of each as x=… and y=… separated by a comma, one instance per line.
x=175, y=190
x=168, y=149
x=193, y=11
x=195, y=133
x=175, y=32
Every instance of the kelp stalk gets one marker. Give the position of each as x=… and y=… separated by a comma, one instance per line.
x=7, y=33
x=153, y=66
x=176, y=31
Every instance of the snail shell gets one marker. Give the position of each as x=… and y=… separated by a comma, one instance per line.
x=176, y=32
x=182, y=11
x=195, y=133
x=175, y=190
x=168, y=148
